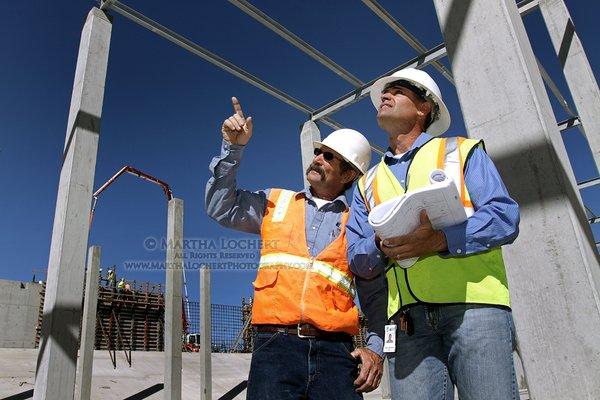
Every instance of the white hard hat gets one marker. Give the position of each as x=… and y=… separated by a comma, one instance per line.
x=351, y=145
x=441, y=119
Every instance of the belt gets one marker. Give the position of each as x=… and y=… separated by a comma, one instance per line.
x=305, y=331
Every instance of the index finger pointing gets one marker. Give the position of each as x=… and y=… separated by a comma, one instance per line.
x=237, y=108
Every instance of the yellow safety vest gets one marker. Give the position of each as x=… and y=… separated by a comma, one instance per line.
x=476, y=278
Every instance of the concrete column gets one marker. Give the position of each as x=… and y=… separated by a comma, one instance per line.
x=88, y=326
x=310, y=132
x=552, y=267
x=205, y=336
x=174, y=281
x=57, y=357
x=576, y=67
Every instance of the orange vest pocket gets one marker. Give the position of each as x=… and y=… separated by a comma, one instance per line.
x=265, y=278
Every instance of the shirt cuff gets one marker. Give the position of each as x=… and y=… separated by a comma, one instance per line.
x=231, y=149
x=375, y=343
x=456, y=238
x=230, y=157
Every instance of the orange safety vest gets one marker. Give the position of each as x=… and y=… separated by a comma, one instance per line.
x=293, y=287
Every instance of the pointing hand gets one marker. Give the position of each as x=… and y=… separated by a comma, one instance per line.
x=237, y=129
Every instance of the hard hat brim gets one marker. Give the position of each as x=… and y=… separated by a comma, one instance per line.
x=438, y=127
x=318, y=144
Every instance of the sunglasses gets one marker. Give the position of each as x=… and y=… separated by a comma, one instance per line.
x=327, y=155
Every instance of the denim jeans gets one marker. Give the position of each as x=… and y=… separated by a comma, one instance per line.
x=469, y=346
x=286, y=367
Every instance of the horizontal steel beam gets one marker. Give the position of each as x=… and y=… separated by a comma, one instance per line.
x=427, y=57
x=214, y=59
x=568, y=124
x=588, y=183
x=292, y=38
x=411, y=40
x=527, y=6
x=350, y=98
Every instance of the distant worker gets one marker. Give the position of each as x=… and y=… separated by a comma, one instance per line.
x=110, y=277
x=121, y=285
x=451, y=308
x=127, y=287
x=303, y=307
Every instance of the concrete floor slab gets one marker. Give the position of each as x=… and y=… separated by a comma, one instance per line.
x=17, y=374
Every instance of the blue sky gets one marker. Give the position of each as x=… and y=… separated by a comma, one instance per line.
x=163, y=108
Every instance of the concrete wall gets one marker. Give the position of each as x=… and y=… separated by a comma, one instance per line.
x=19, y=309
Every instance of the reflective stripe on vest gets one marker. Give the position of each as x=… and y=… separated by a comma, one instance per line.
x=292, y=285
x=477, y=278
x=365, y=185
x=283, y=202
x=284, y=260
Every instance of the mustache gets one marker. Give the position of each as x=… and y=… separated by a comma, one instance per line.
x=317, y=168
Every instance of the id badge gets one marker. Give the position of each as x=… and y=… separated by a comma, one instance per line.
x=389, y=341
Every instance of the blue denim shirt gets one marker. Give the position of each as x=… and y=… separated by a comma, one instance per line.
x=243, y=210
x=494, y=223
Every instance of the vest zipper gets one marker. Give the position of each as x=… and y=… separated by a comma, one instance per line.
x=304, y=286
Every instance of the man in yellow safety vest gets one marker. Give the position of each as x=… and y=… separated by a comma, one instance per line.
x=448, y=314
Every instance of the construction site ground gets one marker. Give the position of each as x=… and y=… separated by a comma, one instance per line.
x=17, y=374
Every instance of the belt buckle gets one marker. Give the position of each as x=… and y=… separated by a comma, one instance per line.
x=300, y=335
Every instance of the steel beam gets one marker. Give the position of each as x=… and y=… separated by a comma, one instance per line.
x=212, y=58
x=427, y=57
x=83, y=389
x=588, y=183
x=528, y=6
x=555, y=90
x=411, y=40
x=553, y=269
x=173, y=300
x=420, y=61
x=57, y=357
x=576, y=67
x=568, y=124
x=292, y=38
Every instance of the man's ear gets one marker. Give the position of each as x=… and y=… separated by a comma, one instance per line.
x=424, y=107
x=349, y=175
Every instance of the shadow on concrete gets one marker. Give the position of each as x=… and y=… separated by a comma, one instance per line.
x=237, y=389
x=23, y=395
x=454, y=24
x=58, y=325
x=146, y=392
x=85, y=121
x=566, y=42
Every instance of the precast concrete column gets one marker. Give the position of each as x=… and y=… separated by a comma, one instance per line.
x=173, y=299
x=576, y=67
x=552, y=268
x=310, y=132
x=57, y=357
x=205, y=336
x=88, y=326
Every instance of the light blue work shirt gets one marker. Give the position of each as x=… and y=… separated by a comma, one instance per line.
x=494, y=223
x=243, y=210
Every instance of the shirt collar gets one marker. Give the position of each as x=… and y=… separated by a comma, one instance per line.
x=342, y=198
x=421, y=140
